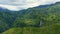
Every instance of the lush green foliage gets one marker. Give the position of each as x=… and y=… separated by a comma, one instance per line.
x=53, y=29
x=36, y=20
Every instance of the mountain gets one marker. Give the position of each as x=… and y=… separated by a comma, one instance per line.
x=6, y=19
x=44, y=19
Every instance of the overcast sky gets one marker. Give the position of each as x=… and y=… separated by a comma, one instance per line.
x=23, y=4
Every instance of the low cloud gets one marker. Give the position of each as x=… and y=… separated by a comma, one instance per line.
x=24, y=4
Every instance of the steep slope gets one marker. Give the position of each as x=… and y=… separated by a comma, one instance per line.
x=53, y=29
x=41, y=16
x=6, y=19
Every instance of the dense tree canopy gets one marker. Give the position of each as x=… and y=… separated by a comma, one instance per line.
x=32, y=17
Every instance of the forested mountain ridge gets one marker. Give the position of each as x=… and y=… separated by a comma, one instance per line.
x=44, y=16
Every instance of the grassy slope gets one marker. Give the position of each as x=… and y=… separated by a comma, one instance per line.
x=53, y=29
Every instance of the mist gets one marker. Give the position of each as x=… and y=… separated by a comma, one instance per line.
x=24, y=4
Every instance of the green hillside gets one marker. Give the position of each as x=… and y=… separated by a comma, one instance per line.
x=53, y=29
x=39, y=16
x=36, y=20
